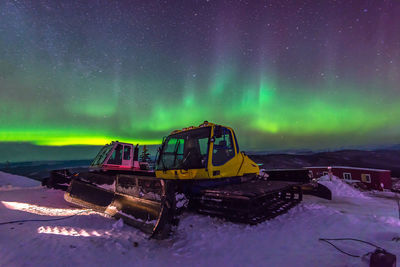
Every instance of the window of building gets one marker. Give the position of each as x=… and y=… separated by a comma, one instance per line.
x=347, y=176
x=366, y=178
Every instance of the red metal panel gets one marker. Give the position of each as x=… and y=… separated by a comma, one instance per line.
x=378, y=177
x=386, y=179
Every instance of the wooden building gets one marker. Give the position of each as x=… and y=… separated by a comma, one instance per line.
x=373, y=178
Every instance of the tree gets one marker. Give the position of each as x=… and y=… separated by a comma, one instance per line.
x=145, y=156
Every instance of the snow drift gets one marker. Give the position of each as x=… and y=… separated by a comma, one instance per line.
x=339, y=188
x=12, y=182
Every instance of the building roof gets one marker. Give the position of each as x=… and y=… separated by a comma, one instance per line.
x=347, y=167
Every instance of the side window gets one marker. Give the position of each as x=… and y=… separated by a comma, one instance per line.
x=127, y=152
x=223, y=147
x=116, y=157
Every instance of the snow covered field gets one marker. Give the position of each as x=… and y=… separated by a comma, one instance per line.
x=289, y=240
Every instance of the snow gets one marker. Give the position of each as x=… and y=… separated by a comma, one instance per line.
x=347, y=167
x=11, y=181
x=118, y=224
x=385, y=194
x=128, y=216
x=291, y=239
x=181, y=201
x=396, y=183
x=109, y=187
x=339, y=188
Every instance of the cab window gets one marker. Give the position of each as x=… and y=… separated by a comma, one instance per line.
x=173, y=152
x=185, y=150
x=116, y=157
x=102, y=155
x=223, y=149
x=127, y=152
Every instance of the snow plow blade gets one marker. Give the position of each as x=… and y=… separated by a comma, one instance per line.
x=59, y=179
x=147, y=203
x=318, y=190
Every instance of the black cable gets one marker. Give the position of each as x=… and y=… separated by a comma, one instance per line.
x=44, y=220
x=355, y=256
x=351, y=239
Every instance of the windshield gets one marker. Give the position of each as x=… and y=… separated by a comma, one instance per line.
x=101, y=156
x=186, y=150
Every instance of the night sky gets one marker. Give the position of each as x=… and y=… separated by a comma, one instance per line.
x=283, y=74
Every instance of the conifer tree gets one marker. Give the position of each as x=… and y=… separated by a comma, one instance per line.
x=145, y=156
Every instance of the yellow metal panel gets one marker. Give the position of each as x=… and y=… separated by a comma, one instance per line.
x=183, y=174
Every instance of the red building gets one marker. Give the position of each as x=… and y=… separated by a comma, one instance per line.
x=372, y=178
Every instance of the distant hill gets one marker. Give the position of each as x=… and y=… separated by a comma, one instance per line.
x=379, y=159
x=41, y=169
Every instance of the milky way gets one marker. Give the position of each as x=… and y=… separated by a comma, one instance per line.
x=284, y=74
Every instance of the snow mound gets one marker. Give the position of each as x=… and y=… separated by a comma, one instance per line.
x=385, y=194
x=10, y=181
x=118, y=224
x=339, y=188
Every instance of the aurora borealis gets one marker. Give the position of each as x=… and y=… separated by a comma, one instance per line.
x=284, y=74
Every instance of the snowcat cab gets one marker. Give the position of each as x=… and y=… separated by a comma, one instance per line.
x=209, y=151
x=118, y=156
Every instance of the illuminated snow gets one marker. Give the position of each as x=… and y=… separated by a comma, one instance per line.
x=288, y=240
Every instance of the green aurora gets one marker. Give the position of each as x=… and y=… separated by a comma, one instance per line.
x=111, y=79
x=264, y=109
